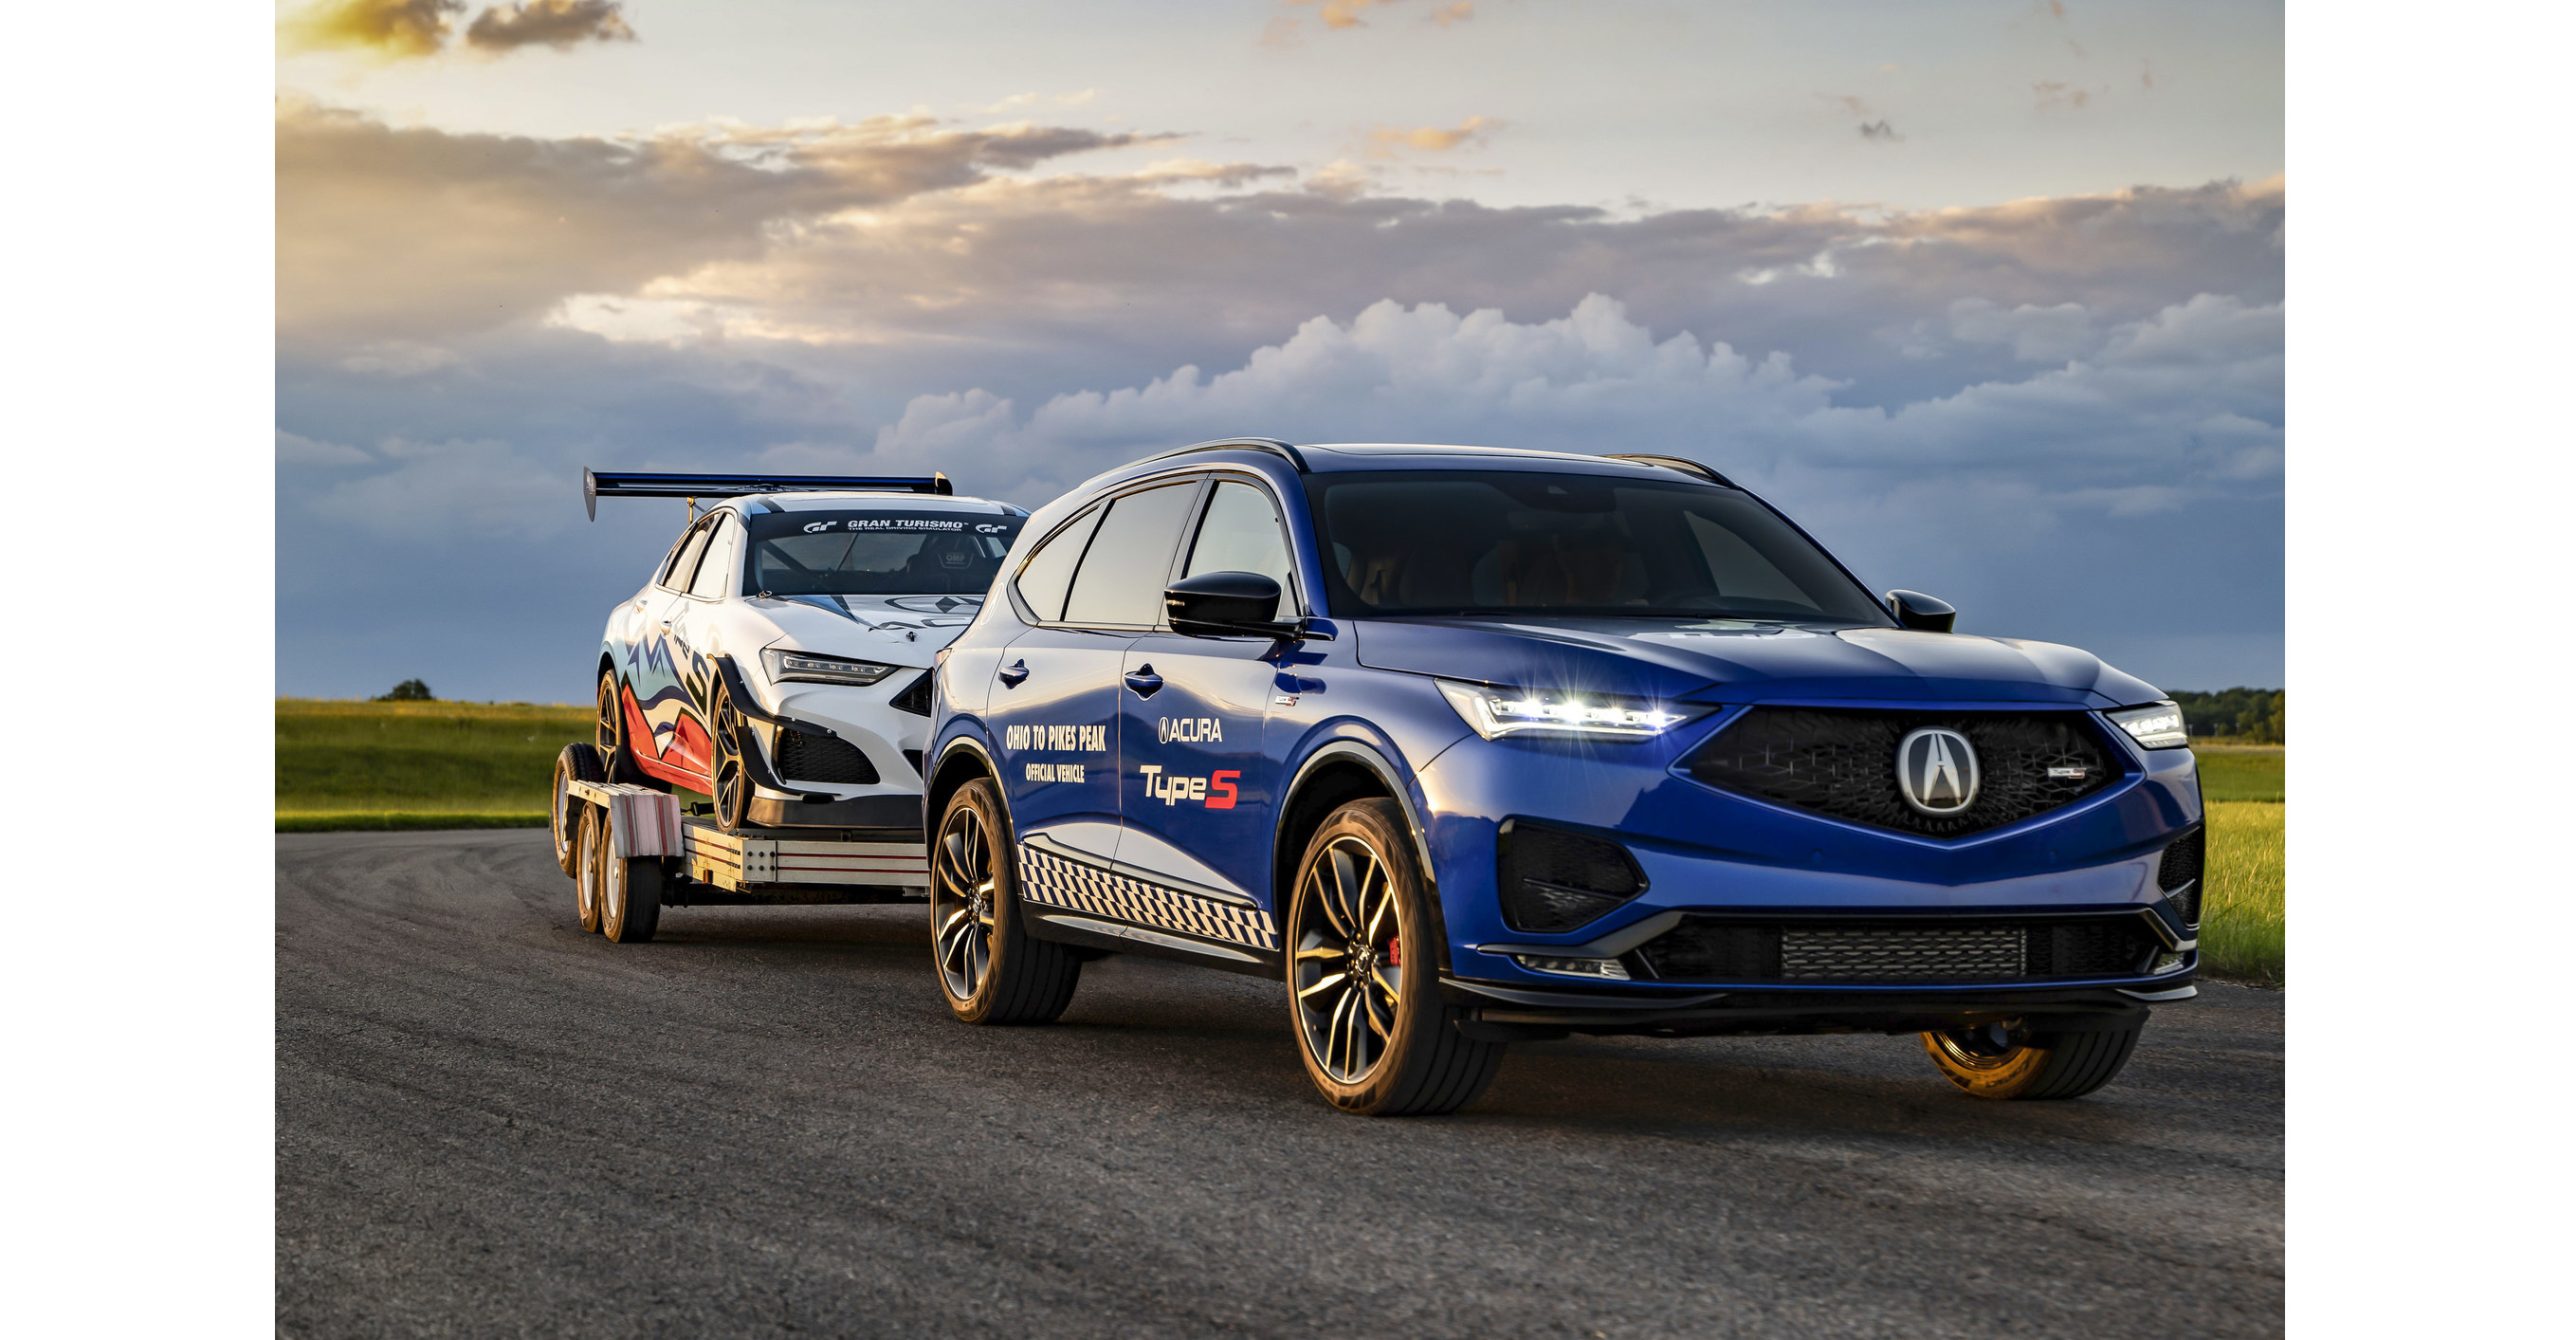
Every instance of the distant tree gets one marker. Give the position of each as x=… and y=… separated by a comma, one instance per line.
x=2252, y=715
x=408, y=691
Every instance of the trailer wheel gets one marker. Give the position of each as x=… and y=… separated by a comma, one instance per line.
x=590, y=865
x=577, y=763
x=627, y=888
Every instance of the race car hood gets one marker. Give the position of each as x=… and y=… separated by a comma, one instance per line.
x=898, y=630
x=1742, y=661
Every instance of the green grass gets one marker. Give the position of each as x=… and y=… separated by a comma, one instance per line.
x=488, y=765
x=2241, y=771
x=418, y=765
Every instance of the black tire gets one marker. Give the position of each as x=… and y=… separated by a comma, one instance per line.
x=989, y=966
x=627, y=888
x=578, y=762
x=730, y=790
x=590, y=831
x=1372, y=1028
x=613, y=753
x=1992, y=1062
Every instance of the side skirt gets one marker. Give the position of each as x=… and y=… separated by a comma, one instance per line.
x=1121, y=937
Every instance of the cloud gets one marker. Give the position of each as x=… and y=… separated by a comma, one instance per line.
x=1434, y=139
x=1454, y=13
x=2054, y=95
x=295, y=449
x=391, y=29
x=1341, y=14
x=387, y=233
x=558, y=24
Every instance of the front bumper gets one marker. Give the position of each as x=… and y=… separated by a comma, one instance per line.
x=1710, y=857
x=1499, y=1012
x=864, y=718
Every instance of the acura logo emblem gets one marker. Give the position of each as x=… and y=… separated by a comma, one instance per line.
x=1939, y=772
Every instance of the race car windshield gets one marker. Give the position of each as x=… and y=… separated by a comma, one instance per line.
x=1524, y=543
x=872, y=554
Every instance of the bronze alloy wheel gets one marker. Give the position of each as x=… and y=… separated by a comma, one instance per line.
x=728, y=764
x=609, y=728
x=1376, y=1034
x=963, y=903
x=2003, y=1060
x=590, y=841
x=1347, y=969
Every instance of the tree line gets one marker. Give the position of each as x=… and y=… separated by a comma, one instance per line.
x=2252, y=715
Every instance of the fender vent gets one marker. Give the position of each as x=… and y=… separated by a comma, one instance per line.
x=822, y=758
x=1553, y=880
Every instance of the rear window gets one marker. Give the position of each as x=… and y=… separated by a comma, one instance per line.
x=875, y=553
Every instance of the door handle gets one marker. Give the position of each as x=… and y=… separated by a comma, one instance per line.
x=1144, y=681
x=1014, y=674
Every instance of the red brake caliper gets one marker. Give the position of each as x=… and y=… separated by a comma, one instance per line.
x=1395, y=951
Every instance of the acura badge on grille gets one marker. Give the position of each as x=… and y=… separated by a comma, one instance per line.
x=1939, y=772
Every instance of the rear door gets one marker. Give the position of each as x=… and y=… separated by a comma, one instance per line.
x=1196, y=782
x=1056, y=701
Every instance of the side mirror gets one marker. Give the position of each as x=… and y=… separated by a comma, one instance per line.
x=1215, y=604
x=1926, y=614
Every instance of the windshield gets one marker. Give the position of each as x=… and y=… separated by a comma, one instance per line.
x=875, y=554
x=1443, y=542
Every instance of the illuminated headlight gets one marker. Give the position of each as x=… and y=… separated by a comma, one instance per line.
x=2153, y=725
x=782, y=663
x=1496, y=712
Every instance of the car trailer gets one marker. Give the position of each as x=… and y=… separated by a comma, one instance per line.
x=636, y=849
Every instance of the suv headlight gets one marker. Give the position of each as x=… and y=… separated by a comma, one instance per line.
x=1497, y=712
x=2153, y=725
x=784, y=663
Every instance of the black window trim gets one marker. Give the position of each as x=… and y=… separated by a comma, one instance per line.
x=1288, y=541
x=713, y=519
x=667, y=579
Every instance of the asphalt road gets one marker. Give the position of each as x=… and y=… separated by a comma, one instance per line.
x=490, y=1123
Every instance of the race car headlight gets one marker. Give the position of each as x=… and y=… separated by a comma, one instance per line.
x=2153, y=725
x=1496, y=712
x=783, y=663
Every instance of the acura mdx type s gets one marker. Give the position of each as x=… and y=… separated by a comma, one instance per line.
x=1468, y=747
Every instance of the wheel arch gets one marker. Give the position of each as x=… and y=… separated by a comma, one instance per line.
x=1333, y=775
x=961, y=760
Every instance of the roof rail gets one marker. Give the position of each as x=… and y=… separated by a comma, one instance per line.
x=1675, y=463
x=1270, y=444
x=633, y=484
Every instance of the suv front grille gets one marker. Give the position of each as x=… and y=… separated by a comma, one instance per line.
x=1840, y=763
x=1807, y=952
x=804, y=757
x=1553, y=880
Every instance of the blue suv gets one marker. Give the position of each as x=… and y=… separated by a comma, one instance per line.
x=1470, y=746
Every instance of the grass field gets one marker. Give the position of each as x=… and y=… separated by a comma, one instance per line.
x=485, y=765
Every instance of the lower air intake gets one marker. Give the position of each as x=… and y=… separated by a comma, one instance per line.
x=2182, y=876
x=807, y=757
x=1919, y=953
x=1553, y=880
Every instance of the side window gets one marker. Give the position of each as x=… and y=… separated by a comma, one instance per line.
x=717, y=576
x=679, y=571
x=1121, y=580
x=1042, y=583
x=1240, y=532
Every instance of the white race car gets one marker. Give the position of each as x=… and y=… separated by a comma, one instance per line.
x=780, y=658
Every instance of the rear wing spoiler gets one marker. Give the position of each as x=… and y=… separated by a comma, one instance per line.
x=633, y=484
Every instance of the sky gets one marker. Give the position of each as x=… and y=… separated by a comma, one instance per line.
x=1988, y=296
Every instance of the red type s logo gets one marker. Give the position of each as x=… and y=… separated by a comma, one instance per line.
x=1222, y=788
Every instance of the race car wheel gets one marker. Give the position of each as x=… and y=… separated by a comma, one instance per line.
x=1364, y=976
x=627, y=889
x=590, y=835
x=577, y=763
x=610, y=751
x=729, y=789
x=2000, y=1061
x=991, y=969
